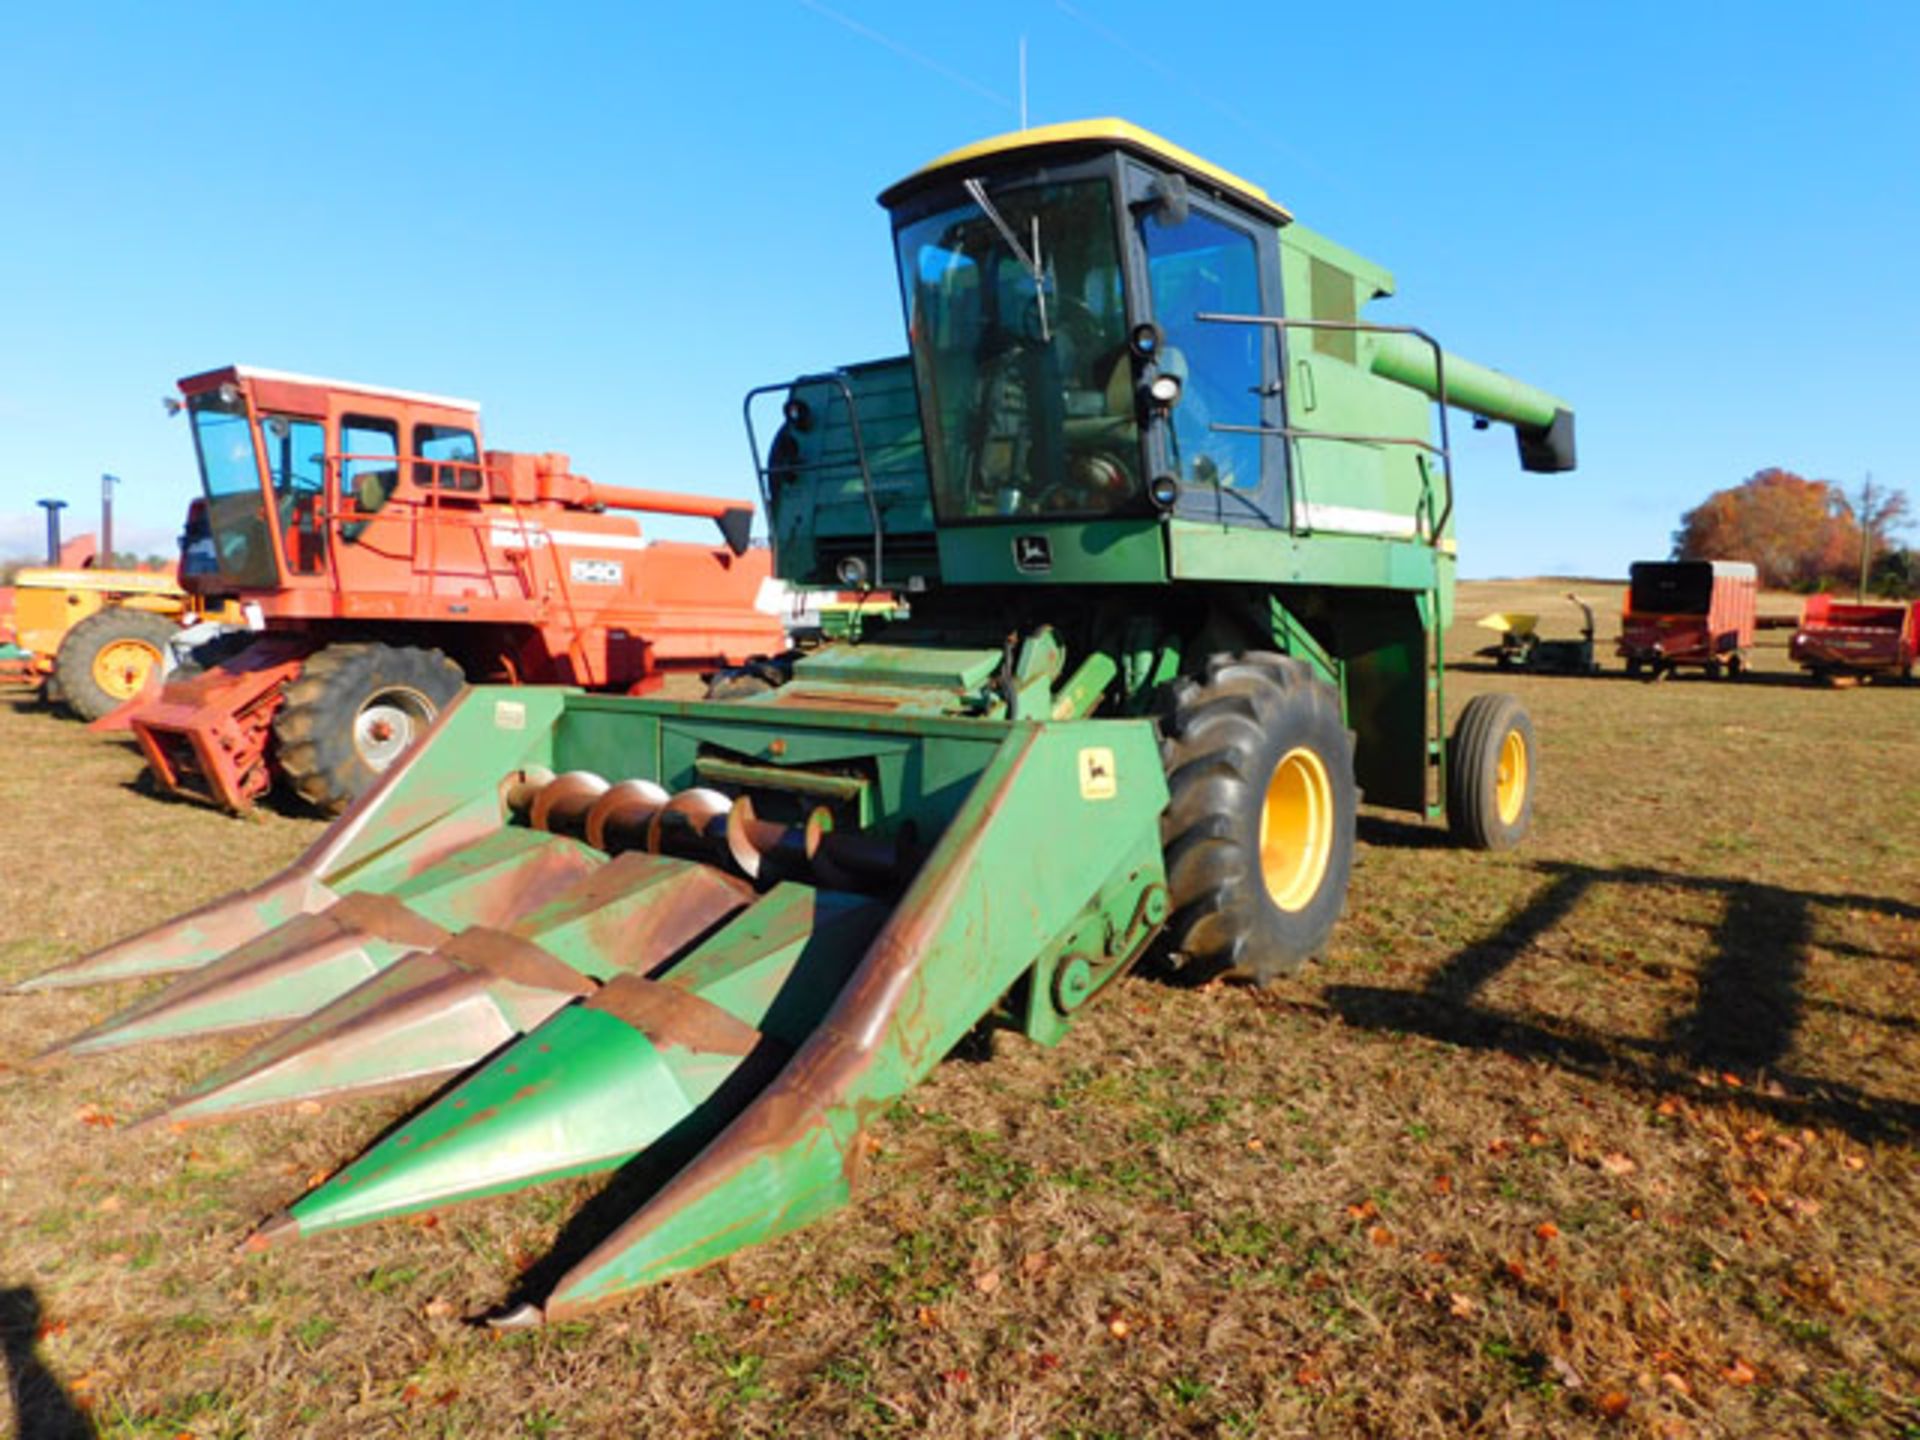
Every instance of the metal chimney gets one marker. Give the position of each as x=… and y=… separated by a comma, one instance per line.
x=53, y=509
x=107, y=482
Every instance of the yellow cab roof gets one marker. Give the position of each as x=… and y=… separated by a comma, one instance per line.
x=1110, y=132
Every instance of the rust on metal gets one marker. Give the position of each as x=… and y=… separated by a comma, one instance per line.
x=385, y=918
x=619, y=818
x=668, y=1015
x=506, y=956
x=563, y=805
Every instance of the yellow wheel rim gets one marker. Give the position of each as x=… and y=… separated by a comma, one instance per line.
x=122, y=667
x=1510, y=778
x=1296, y=829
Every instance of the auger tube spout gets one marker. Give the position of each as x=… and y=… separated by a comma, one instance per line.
x=1543, y=422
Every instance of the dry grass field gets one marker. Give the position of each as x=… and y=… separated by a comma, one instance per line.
x=1614, y=1135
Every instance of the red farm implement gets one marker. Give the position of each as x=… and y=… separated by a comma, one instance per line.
x=1689, y=612
x=1840, y=638
x=389, y=560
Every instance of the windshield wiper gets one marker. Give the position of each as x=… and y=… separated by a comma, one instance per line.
x=977, y=191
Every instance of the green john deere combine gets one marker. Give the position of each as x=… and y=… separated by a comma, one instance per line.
x=1176, y=527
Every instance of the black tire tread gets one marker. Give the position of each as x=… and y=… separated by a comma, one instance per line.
x=1473, y=756
x=1214, y=738
x=313, y=730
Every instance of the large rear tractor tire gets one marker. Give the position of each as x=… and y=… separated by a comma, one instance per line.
x=354, y=710
x=1491, y=772
x=107, y=659
x=1259, y=831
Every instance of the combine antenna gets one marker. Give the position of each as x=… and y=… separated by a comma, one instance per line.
x=1023, y=82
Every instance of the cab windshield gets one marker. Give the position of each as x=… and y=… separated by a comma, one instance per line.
x=230, y=471
x=1019, y=332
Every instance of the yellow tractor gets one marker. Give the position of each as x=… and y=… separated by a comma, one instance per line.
x=94, y=637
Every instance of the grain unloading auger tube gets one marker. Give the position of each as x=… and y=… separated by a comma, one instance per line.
x=734, y=932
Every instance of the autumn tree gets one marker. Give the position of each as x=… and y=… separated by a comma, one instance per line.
x=1799, y=532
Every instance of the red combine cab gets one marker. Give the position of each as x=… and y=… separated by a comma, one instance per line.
x=388, y=559
x=1840, y=638
x=1689, y=612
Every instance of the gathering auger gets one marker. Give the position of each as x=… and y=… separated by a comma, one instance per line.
x=1177, y=534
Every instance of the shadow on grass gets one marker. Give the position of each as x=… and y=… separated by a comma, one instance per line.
x=1745, y=1019
x=42, y=1409
x=1686, y=675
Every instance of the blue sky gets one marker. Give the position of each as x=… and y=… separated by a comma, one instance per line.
x=607, y=221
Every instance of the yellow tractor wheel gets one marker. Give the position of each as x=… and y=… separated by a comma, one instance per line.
x=109, y=657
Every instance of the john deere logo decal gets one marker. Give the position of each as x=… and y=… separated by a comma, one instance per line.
x=1032, y=553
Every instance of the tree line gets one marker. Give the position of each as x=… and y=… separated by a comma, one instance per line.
x=1806, y=534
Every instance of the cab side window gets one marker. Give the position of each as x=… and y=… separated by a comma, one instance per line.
x=446, y=457
x=369, y=460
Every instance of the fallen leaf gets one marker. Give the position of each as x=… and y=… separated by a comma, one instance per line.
x=1118, y=1328
x=1366, y=1210
x=1740, y=1373
x=1668, y=1107
x=1547, y=1230
x=1567, y=1375
x=1613, y=1404
x=1615, y=1163
x=109, y=1205
x=1442, y=1185
x=1435, y=1257
x=927, y=1317
x=410, y=1394
x=1034, y=1262
x=1731, y=1080
x=1047, y=1360
x=308, y=1107
x=1380, y=1236
x=1256, y=1143
x=438, y=1308
x=1307, y=1375
x=1461, y=1307
x=51, y=1328
x=1538, y=1137
x=1758, y=1196
x=1802, y=1205
x=956, y=1377
x=987, y=1281
x=93, y=1115
x=1676, y=1382
x=1854, y=1162
x=316, y=1179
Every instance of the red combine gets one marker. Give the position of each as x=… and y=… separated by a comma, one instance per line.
x=388, y=559
x=1841, y=638
x=1689, y=612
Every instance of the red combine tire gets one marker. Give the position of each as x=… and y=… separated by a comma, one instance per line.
x=353, y=711
x=1492, y=767
x=107, y=659
x=1259, y=830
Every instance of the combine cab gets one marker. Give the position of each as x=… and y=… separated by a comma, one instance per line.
x=1176, y=525
x=390, y=560
x=1839, y=639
